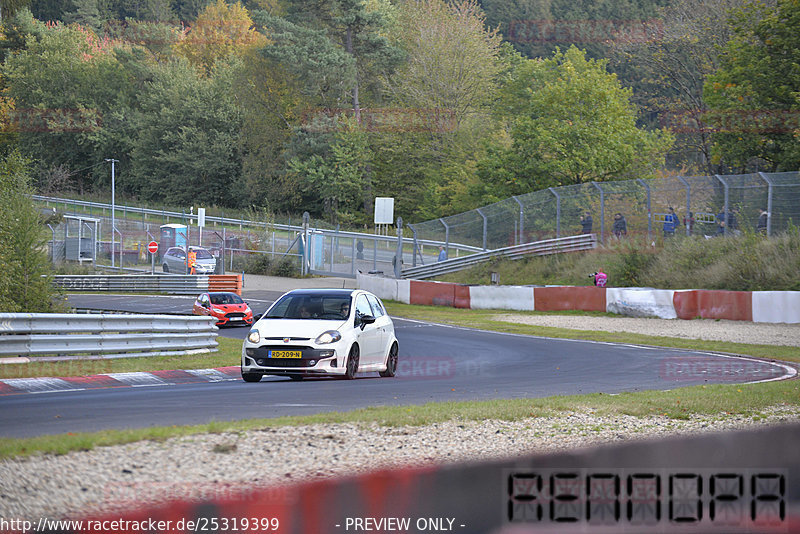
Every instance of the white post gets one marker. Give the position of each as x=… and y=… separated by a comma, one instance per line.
x=113, y=218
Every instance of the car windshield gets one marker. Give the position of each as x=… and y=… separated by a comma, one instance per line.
x=226, y=298
x=203, y=254
x=310, y=307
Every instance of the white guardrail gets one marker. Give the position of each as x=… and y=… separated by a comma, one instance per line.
x=539, y=248
x=113, y=335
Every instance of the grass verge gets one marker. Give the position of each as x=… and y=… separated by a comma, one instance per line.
x=681, y=403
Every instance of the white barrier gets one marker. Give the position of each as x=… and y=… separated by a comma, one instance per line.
x=501, y=298
x=404, y=291
x=385, y=288
x=776, y=306
x=641, y=302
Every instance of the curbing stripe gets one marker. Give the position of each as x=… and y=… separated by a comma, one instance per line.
x=40, y=385
x=18, y=386
x=137, y=379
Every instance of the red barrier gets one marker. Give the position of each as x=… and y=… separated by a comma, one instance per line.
x=732, y=305
x=569, y=298
x=433, y=293
x=461, y=299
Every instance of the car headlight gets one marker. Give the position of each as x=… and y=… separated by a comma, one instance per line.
x=254, y=336
x=331, y=336
x=217, y=310
x=247, y=309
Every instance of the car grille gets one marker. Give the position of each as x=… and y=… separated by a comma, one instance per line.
x=234, y=315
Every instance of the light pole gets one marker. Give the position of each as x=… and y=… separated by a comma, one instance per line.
x=113, y=213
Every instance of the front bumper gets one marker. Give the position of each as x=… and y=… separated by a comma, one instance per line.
x=313, y=362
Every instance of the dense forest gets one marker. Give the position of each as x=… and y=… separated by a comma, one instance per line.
x=322, y=105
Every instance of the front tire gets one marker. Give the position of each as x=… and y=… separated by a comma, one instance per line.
x=391, y=363
x=251, y=377
x=165, y=268
x=352, y=363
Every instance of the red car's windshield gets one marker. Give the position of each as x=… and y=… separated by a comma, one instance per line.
x=226, y=298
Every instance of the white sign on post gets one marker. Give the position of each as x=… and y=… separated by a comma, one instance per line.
x=384, y=210
x=201, y=217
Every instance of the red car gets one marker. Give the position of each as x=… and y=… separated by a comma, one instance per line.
x=227, y=308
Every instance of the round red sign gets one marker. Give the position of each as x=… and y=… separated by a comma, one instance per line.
x=152, y=247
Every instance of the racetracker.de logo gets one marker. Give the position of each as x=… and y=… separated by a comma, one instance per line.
x=584, y=31
x=717, y=369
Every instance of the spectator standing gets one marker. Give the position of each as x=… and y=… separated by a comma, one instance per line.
x=761, y=226
x=600, y=278
x=442, y=254
x=670, y=223
x=586, y=223
x=620, y=226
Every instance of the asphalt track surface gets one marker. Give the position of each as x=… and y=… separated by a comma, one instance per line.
x=437, y=363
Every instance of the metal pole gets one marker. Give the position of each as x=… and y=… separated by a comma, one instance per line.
x=485, y=222
x=113, y=210
x=688, y=202
x=649, y=212
x=305, y=241
x=399, y=254
x=769, y=201
x=558, y=211
x=446, y=238
x=602, y=208
x=725, y=207
x=521, y=217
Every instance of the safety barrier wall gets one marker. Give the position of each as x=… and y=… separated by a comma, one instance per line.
x=158, y=283
x=641, y=302
x=757, y=306
x=39, y=334
x=776, y=306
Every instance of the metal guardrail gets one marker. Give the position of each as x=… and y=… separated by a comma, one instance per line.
x=538, y=248
x=113, y=335
x=174, y=284
x=158, y=283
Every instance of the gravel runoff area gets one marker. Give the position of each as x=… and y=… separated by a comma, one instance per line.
x=706, y=329
x=112, y=479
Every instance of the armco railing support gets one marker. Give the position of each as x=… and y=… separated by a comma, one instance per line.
x=111, y=335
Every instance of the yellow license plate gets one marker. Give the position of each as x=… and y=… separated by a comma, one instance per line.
x=285, y=354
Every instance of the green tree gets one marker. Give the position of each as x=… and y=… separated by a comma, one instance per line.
x=672, y=62
x=65, y=84
x=25, y=285
x=578, y=125
x=219, y=31
x=754, y=96
x=452, y=58
x=187, y=141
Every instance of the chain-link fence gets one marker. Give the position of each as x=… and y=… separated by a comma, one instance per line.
x=707, y=205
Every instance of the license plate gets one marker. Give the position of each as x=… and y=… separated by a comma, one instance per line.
x=285, y=354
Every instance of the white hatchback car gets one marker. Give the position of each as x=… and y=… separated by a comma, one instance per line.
x=321, y=332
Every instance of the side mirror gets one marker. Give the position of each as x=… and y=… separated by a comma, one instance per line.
x=364, y=320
